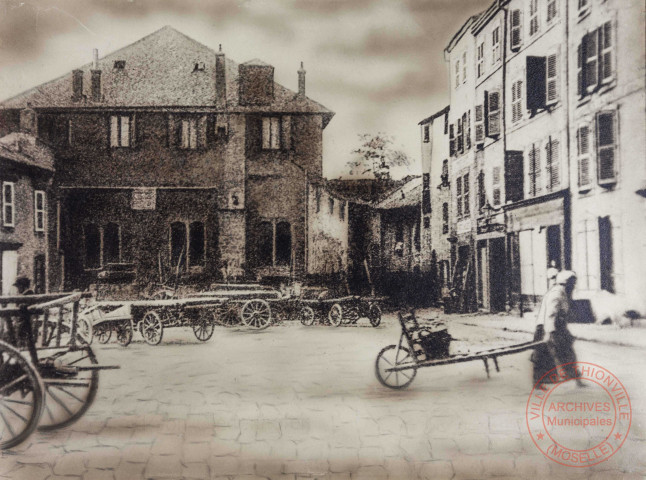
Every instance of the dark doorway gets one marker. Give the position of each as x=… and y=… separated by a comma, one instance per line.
x=497, y=274
x=554, y=245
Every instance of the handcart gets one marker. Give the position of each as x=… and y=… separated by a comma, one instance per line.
x=396, y=365
x=48, y=379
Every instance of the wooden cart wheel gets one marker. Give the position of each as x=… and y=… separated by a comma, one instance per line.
x=203, y=327
x=335, y=316
x=389, y=357
x=85, y=330
x=374, y=314
x=70, y=390
x=350, y=315
x=151, y=328
x=124, y=332
x=22, y=396
x=227, y=315
x=307, y=315
x=256, y=313
x=102, y=332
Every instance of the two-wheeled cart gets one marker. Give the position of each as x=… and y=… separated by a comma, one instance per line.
x=48, y=376
x=396, y=365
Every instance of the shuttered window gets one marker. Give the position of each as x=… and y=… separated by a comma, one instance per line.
x=591, y=60
x=189, y=133
x=445, y=218
x=465, y=194
x=583, y=157
x=460, y=136
x=492, y=107
x=536, y=84
x=467, y=130
x=458, y=196
x=606, y=53
x=464, y=67
x=482, y=194
x=479, y=124
x=457, y=73
x=426, y=193
x=427, y=134
x=533, y=17
x=534, y=170
x=584, y=7
x=452, y=139
x=39, y=211
x=516, y=29
x=480, y=55
x=8, y=204
x=514, y=176
x=551, y=10
x=517, y=101
x=552, y=85
x=495, y=45
x=552, y=164
x=606, y=147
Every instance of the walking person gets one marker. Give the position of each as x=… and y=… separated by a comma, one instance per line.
x=551, y=324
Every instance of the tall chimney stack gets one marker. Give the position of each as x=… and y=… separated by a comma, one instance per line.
x=96, y=77
x=28, y=120
x=77, y=85
x=220, y=80
x=301, y=81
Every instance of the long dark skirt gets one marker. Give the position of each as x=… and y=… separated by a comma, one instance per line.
x=541, y=357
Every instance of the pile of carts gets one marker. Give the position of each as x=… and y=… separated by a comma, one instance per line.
x=49, y=374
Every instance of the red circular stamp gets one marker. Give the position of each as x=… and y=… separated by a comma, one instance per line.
x=574, y=426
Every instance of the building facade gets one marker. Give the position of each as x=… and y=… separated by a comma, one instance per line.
x=608, y=145
x=436, y=202
x=26, y=171
x=174, y=159
x=554, y=121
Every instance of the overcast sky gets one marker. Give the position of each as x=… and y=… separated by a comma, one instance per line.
x=377, y=63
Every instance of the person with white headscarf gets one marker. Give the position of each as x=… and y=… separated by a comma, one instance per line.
x=551, y=325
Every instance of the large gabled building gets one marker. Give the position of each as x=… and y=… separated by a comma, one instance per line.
x=171, y=157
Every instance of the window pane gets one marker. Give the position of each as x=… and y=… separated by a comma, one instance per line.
x=114, y=131
x=265, y=244
x=125, y=131
x=111, y=247
x=196, y=243
x=177, y=245
x=283, y=243
x=92, y=246
x=275, y=133
x=266, y=132
x=192, y=131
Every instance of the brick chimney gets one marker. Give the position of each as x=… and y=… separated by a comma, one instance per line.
x=96, y=77
x=301, y=81
x=220, y=80
x=256, y=83
x=28, y=120
x=77, y=85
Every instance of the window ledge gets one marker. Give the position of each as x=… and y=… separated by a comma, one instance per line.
x=583, y=14
x=585, y=189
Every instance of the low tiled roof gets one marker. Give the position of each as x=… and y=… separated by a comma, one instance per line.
x=25, y=149
x=408, y=195
x=435, y=115
x=160, y=72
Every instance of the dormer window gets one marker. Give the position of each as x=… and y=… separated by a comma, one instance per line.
x=119, y=64
x=199, y=67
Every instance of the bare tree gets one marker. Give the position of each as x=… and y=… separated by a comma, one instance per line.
x=376, y=156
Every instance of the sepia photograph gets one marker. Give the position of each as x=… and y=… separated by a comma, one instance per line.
x=322, y=239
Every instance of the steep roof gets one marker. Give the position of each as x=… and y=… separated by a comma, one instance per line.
x=408, y=195
x=160, y=71
x=25, y=149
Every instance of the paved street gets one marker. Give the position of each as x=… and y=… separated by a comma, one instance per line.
x=295, y=402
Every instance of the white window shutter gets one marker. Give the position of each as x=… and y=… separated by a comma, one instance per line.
x=266, y=132
x=552, y=85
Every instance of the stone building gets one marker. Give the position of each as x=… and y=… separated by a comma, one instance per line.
x=171, y=157
x=26, y=170
x=536, y=147
x=607, y=129
x=459, y=55
x=436, y=202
